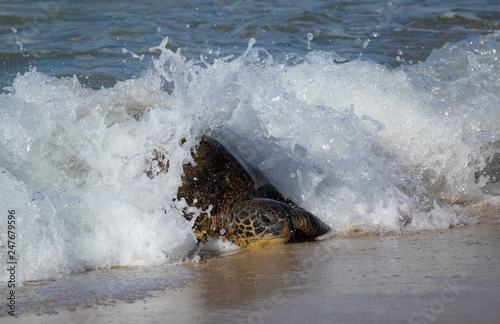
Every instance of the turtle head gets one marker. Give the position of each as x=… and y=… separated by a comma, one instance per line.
x=260, y=221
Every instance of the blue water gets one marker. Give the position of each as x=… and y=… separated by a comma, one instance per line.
x=379, y=117
x=86, y=38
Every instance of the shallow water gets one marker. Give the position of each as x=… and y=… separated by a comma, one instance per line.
x=382, y=122
x=445, y=276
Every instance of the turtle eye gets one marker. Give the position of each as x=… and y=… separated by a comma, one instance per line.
x=264, y=219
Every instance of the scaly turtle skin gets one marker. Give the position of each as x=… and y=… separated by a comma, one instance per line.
x=239, y=203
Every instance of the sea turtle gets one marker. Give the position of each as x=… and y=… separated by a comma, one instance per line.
x=238, y=202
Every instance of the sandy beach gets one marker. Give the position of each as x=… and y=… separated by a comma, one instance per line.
x=441, y=276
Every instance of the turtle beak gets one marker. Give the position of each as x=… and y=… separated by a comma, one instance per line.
x=283, y=228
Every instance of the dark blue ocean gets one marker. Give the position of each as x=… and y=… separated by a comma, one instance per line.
x=86, y=38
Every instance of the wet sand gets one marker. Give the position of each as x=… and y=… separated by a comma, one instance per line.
x=442, y=276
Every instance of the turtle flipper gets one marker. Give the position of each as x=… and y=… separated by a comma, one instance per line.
x=307, y=226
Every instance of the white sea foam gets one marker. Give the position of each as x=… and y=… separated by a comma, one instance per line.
x=361, y=145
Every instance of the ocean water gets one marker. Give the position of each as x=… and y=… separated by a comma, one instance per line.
x=378, y=117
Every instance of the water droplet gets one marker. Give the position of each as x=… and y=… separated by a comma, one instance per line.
x=309, y=39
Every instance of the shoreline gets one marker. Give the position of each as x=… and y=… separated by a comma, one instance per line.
x=445, y=276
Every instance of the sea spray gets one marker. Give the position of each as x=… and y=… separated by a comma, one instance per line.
x=365, y=147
